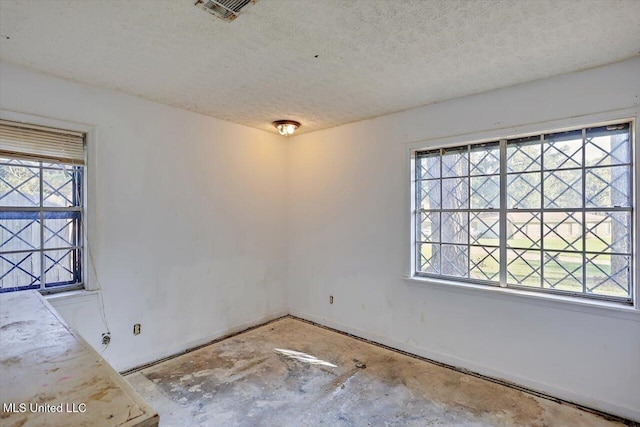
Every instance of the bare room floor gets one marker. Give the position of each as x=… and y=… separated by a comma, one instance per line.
x=246, y=381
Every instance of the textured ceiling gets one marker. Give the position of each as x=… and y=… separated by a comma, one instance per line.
x=322, y=62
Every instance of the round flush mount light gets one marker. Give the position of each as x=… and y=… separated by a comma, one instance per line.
x=286, y=127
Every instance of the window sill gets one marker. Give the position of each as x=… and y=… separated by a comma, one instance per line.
x=601, y=308
x=71, y=297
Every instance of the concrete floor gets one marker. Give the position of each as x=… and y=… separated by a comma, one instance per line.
x=245, y=381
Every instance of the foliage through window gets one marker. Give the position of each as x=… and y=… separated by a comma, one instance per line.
x=551, y=212
x=40, y=222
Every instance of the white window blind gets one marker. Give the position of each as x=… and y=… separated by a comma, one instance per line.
x=35, y=142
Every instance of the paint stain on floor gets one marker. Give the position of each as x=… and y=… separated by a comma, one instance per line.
x=247, y=380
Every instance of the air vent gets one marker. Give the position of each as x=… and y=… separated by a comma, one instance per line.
x=224, y=9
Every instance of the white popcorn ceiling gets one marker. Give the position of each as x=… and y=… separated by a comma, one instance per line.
x=321, y=62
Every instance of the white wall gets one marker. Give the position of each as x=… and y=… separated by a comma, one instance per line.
x=347, y=230
x=186, y=217
x=194, y=220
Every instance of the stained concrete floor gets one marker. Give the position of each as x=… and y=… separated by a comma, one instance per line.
x=245, y=381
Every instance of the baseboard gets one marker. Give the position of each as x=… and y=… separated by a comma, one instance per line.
x=540, y=389
x=138, y=364
x=526, y=384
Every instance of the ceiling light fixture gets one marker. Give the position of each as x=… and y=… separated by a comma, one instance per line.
x=224, y=9
x=286, y=127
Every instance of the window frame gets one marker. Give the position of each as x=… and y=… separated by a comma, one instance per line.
x=87, y=208
x=41, y=210
x=508, y=133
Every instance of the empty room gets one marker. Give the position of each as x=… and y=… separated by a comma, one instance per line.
x=319, y=213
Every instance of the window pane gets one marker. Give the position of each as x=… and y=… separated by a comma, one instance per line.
x=523, y=155
x=608, y=187
x=59, y=187
x=563, y=271
x=19, y=231
x=19, y=270
x=455, y=193
x=484, y=228
x=563, y=189
x=19, y=186
x=608, y=232
x=523, y=268
x=523, y=191
x=429, y=226
x=524, y=230
x=429, y=258
x=455, y=260
x=429, y=194
x=485, y=159
x=428, y=165
x=60, y=267
x=484, y=263
x=605, y=147
x=609, y=275
x=61, y=229
x=455, y=162
x=485, y=192
x=562, y=231
x=455, y=227
x=17, y=162
x=563, y=150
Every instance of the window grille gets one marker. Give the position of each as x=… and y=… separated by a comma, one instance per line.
x=551, y=212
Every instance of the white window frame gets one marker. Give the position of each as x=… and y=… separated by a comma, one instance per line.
x=466, y=286
x=88, y=209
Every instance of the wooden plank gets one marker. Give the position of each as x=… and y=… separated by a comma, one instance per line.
x=45, y=365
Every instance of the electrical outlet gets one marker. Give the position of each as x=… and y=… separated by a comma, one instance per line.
x=136, y=329
x=330, y=299
x=106, y=338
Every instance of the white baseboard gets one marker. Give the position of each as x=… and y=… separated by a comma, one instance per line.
x=179, y=349
x=547, y=389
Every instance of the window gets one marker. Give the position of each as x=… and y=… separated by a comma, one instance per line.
x=41, y=190
x=551, y=212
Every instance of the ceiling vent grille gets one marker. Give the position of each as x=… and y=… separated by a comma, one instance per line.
x=224, y=9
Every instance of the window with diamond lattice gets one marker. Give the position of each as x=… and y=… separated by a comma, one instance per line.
x=40, y=219
x=550, y=212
